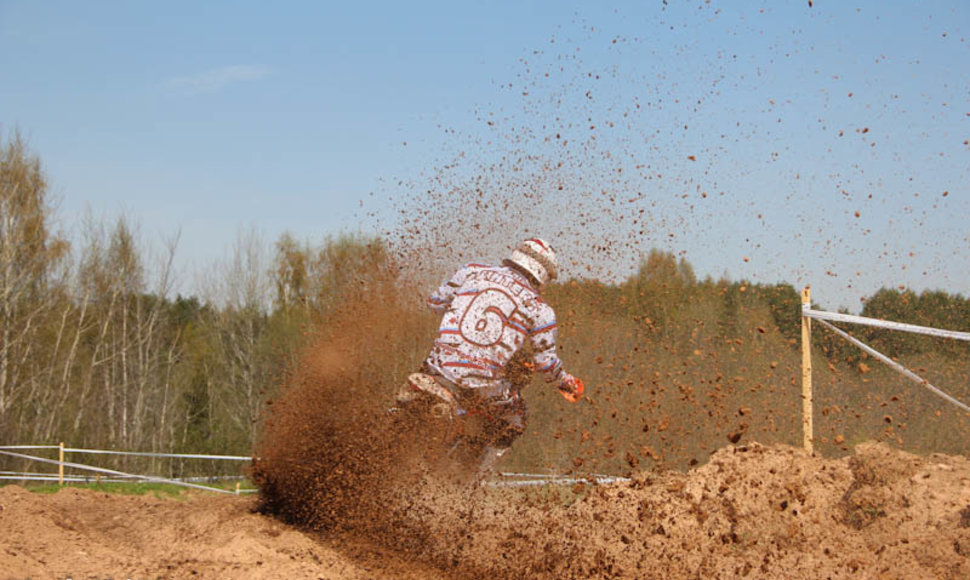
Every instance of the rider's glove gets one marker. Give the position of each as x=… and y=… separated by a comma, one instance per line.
x=571, y=388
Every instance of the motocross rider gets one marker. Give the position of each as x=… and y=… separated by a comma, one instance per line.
x=489, y=314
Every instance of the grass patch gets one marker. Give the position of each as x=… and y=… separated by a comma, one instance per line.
x=159, y=490
x=144, y=488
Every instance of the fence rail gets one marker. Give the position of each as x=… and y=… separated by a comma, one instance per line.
x=112, y=475
x=104, y=475
x=533, y=479
x=825, y=318
x=807, y=311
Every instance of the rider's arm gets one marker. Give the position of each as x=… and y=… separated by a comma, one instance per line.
x=543, y=336
x=440, y=299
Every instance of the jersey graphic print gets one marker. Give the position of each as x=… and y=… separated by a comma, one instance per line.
x=488, y=314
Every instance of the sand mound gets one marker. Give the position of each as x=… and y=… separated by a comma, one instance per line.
x=752, y=512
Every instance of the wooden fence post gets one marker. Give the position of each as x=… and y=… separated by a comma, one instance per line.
x=807, y=428
x=60, y=465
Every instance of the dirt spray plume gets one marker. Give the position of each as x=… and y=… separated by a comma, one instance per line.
x=323, y=443
x=683, y=370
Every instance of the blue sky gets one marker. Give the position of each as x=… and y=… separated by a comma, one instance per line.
x=745, y=136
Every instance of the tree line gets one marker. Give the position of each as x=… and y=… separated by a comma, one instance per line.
x=95, y=350
x=664, y=294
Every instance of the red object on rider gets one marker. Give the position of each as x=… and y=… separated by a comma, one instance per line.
x=574, y=393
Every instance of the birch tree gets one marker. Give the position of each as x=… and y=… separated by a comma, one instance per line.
x=28, y=253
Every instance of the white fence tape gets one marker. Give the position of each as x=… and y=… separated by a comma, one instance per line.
x=895, y=365
x=147, y=454
x=531, y=480
x=131, y=453
x=53, y=478
x=852, y=319
x=40, y=475
x=505, y=479
x=513, y=474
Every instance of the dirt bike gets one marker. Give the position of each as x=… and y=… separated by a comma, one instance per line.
x=457, y=433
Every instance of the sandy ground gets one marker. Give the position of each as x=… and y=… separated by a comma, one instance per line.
x=751, y=512
x=86, y=534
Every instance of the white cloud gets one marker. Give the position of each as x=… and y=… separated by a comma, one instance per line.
x=216, y=79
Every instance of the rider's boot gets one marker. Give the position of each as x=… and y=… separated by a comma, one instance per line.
x=491, y=456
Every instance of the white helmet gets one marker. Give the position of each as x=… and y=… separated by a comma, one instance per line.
x=536, y=258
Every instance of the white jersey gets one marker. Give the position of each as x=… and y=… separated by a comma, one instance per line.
x=488, y=314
